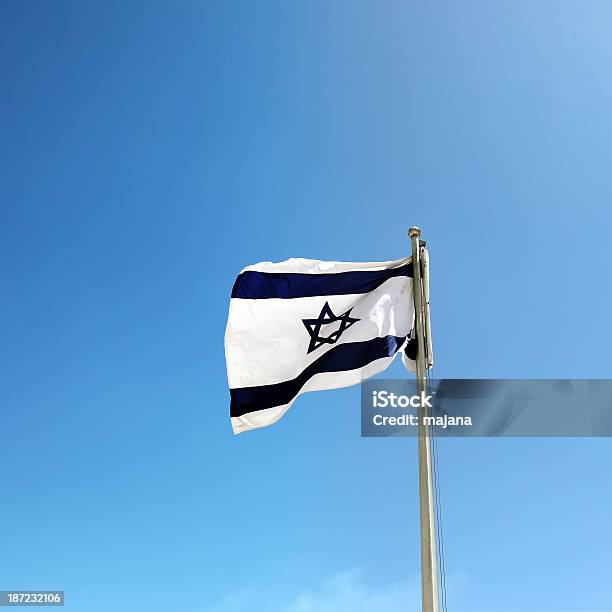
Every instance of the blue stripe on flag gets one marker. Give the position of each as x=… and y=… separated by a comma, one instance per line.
x=347, y=356
x=261, y=285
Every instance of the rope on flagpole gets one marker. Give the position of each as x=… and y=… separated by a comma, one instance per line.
x=438, y=511
x=434, y=442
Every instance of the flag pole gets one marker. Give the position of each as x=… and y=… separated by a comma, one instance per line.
x=429, y=566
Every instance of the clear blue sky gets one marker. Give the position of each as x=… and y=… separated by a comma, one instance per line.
x=149, y=150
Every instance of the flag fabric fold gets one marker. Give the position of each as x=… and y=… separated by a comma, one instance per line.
x=305, y=325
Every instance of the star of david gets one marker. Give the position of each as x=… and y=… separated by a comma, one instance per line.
x=325, y=318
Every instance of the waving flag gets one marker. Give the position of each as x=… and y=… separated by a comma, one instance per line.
x=305, y=325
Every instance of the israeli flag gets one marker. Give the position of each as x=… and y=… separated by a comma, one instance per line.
x=306, y=325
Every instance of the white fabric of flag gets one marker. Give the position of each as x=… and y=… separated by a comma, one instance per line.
x=306, y=325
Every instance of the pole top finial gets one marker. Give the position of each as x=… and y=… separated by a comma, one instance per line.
x=414, y=231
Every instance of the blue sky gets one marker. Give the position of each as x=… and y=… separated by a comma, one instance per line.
x=150, y=150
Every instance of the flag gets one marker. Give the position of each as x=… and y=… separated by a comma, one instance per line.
x=305, y=325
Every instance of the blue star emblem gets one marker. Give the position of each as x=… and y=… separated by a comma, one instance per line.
x=325, y=318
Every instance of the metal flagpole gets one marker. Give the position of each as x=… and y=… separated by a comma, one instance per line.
x=429, y=564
